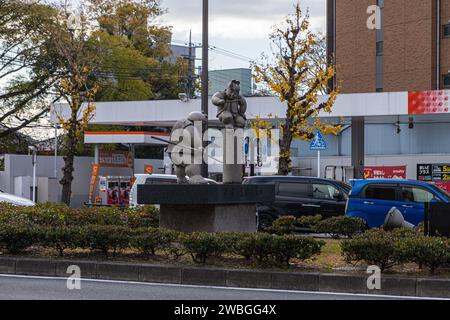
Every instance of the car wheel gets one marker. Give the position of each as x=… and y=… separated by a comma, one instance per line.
x=264, y=221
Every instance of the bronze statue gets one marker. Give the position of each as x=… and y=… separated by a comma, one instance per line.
x=231, y=106
x=185, y=148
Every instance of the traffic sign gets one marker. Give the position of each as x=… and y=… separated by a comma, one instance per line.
x=318, y=143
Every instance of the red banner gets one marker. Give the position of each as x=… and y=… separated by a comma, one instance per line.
x=429, y=102
x=93, y=183
x=391, y=172
x=443, y=185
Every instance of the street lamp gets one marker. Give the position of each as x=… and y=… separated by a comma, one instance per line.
x=33, y=151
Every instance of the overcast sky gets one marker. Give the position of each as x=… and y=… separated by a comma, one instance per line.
x=240, y=26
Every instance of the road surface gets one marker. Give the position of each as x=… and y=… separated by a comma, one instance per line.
x=37, y=288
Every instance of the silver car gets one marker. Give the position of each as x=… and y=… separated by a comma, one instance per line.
x=15, y=200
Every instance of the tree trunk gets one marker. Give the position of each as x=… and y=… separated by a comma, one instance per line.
x=284, y=164
x=68, y=169
x=67, y=179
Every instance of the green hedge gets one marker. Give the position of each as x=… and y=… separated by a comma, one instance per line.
x=341, y=226
x=110, y=230
x=148, y=240
x=387, y=249
x=50, y=214
x=266, y=248
x=201, y=246
x=337, y=227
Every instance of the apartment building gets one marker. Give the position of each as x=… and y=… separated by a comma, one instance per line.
x=408, y=49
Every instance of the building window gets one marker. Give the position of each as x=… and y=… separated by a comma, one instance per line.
x=379, y=90
x=447, y=80
x=447, y=31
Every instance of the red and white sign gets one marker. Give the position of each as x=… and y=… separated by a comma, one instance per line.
x=443, y=185
x=116, y=159
x=391, y=172
x=429, y=102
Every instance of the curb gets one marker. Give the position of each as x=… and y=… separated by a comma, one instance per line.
x=312, y=282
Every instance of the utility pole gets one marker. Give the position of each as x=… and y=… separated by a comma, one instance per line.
x=191, y=69
x=205, y=47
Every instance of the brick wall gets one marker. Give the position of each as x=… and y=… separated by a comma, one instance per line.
x=409, y=45
x=355, y=47
x=445, y=43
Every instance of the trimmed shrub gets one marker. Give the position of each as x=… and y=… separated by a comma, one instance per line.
x=202, y=245
x=59, y=238
x=375, y=247
x=230, y=240
x=10, y=214
x=49, y=214
x=258, y=246
x=142, y=217
x=431, y=252
x=15, y=238
x=105, y=238
x=308, y=221
x=283, y=225
x=287, y=247
x=340, y=226
x=148, y=240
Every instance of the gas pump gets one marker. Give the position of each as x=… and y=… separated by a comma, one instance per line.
x=114, y=191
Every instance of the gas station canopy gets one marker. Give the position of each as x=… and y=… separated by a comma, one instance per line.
x=125, y=137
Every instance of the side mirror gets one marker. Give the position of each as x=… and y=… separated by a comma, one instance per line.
x=434, y=200
x=338, y=197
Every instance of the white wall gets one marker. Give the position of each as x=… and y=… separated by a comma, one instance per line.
x=20, y=165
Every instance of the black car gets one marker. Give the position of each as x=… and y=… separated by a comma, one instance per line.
x=301, y=196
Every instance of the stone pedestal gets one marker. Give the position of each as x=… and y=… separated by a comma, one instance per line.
x=207, y=208
x=209, y=218
x=232, y=152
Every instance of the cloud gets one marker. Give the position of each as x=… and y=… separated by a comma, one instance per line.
x=237, y=18
x=241, y=26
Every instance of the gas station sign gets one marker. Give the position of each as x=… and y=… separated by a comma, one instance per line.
x=120, y=159
x=437, y=173
x=433, y=172
x=389, y=172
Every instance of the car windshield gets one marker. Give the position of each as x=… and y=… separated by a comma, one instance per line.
x=441, y=191
x=344, y=186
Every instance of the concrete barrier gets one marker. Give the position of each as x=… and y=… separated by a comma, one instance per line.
x=36, y=267
x=396, y=287
x=203, y=276
x=7, y=265
x=438, y=288
x=295, y=281
x=160, y=274
x=88, y=268
x=342, y=283
x=249, y=279
x=118, y=271
x=312, y=282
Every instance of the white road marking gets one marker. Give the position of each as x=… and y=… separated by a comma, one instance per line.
x=228, y=288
